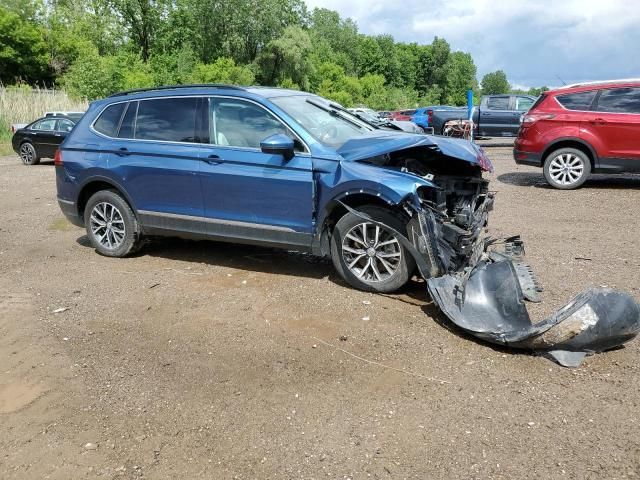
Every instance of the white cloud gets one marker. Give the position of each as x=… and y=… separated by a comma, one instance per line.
x=535, y=41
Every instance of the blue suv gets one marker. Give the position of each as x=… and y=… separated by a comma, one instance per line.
x=273, y=167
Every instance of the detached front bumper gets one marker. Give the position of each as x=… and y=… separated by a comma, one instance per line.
x=481, y=285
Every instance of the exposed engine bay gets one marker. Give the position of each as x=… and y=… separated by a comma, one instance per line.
x=481, y=283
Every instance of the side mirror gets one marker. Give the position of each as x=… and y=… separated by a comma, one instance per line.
x=278, y=144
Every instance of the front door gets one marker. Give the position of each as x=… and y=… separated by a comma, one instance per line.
x=250, y=195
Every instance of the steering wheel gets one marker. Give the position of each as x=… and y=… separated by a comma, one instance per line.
x=328, y=132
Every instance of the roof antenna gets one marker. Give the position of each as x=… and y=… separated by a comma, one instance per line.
x=563, y=82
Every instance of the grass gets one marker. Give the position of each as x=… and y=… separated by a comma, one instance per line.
x=23, y=104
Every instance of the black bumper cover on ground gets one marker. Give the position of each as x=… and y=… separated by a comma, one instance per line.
x=491, y=306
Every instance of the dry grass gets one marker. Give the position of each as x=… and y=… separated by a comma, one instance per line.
x=24, y=104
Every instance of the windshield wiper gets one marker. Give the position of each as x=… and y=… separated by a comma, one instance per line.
x=335, y=110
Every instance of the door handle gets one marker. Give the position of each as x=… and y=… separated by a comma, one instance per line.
x=598, y=121
x=122, y=152
x=212, y=160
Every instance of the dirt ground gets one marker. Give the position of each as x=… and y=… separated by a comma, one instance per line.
x=205, y=360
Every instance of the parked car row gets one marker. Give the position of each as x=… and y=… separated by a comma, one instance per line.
x=569, y=132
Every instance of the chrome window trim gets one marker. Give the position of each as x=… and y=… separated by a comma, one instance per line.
x=598, y=92
x=307, y=153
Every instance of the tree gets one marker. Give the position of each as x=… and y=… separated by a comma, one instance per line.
x=142, y=18
x=286, y=57
x=223, y=70
x=23, y=52
x=495, y=83
x=461, y=76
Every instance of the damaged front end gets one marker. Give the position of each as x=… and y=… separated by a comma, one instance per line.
x=481, y=283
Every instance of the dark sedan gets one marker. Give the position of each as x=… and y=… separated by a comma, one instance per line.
x=41, y=139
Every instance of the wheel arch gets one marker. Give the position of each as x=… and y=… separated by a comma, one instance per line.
x=95, y=185
x=335, y=210
x=571, y=142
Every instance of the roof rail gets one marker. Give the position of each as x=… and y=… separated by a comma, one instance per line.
x=600, y=82
x=175, y=87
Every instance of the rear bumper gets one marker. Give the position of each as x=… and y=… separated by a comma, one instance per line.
x=70, y=210
x=527, y=158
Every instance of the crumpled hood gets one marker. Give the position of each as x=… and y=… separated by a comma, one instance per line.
x=381, y=142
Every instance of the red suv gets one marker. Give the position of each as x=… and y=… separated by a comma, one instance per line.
x=579, y=129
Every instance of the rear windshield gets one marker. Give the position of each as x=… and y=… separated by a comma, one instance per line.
x=577, y=101
x=539, y=100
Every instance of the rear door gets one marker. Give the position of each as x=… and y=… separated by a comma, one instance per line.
x=496, y=117
x=249, y=194
x=615, y=120
x=155, y=155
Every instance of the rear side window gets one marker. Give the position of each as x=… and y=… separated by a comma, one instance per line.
x=498, y=103
x=619, y=100
x=167, y=119
x=49, y=124
x=108, y=121
x=577, y=101
x=65, y=125
x=523, y=103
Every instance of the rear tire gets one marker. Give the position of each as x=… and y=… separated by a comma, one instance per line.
x=567, y=168
x=374, y=261
x=28, y=154
x=112, y=227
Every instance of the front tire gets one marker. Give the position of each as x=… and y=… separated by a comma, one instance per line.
x=567, y=168
x=369, y=257
x=28, y=154
x=112, y=227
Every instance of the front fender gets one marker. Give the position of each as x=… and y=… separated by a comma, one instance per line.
x=391, y=186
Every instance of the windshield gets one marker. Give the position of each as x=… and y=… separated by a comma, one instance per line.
x=327, y=122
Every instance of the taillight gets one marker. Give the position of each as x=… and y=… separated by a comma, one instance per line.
x=13, y=129
x=57, y=159
x=429, y=116
x=531, y=118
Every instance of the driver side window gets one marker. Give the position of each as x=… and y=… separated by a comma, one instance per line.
x=238, y=123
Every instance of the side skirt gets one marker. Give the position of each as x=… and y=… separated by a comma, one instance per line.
x=202, y=228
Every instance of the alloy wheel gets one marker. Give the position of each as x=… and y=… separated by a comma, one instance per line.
x=371, y=253
x=566, y=169
x=107, y=225
x=27, y=153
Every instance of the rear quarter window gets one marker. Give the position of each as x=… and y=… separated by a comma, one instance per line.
x=577, y=101
x=498, y=103
x=108, y=121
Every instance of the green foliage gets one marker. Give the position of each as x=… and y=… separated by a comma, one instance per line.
x=286, y=57
x=23, y=52
x=223, y=70
x=495, y=83
x=96, y=47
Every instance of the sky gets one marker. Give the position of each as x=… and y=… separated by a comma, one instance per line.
x=536, y=42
